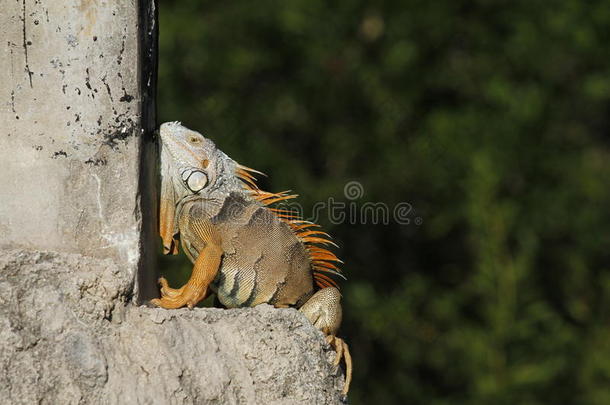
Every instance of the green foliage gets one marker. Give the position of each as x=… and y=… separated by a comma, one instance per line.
x=490, y=117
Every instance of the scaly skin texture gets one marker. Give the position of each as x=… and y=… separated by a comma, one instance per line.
x=242, y=248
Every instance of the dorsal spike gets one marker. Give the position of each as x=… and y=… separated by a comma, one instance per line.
x=314, y=232
x=321, y=259
x=322, y=278
x=328, y=265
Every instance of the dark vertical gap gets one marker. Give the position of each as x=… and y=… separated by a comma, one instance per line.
x=148, y=188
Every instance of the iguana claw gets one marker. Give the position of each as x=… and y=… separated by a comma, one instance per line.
x=342, y=352
x=176, y=298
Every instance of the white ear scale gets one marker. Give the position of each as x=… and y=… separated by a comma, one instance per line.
x=197, y=181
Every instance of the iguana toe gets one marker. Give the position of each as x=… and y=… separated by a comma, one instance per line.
x=187, y=295
x=167, y=291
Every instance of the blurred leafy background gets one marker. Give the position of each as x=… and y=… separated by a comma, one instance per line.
x=491, y=118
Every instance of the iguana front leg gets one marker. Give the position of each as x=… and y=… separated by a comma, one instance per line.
x=204, y=271
x=323, y=309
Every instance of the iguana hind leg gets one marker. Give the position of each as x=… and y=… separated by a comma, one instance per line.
x=323, y=309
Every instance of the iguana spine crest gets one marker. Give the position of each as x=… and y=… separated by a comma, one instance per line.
x=322, y=260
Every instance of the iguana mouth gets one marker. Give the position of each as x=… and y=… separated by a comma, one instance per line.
x=166, y=138
x=166, y=147
x=173, y=148
x=169, y=157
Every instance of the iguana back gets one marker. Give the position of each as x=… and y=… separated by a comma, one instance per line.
x=263, y=261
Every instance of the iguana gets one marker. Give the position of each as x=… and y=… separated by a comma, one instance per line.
x=243, y=246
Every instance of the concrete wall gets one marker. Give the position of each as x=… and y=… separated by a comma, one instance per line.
x=70, y=139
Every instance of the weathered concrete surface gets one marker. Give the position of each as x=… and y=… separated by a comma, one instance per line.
x=68, y=337
x=70, y=136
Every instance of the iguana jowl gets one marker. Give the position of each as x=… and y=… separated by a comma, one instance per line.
x=242, y=248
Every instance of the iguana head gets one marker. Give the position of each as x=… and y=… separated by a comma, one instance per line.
x=188, y=155
x=190, y=165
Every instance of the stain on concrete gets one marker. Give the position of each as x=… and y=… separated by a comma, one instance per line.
x=119, y=134
x=119, y=58
x=71, y=40
x=96, y=162
x=107, y=88
x=25, y=46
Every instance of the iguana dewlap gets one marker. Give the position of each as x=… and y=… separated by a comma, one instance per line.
x=243, y=249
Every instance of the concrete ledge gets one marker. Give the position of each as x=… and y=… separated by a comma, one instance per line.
x=70, y=336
